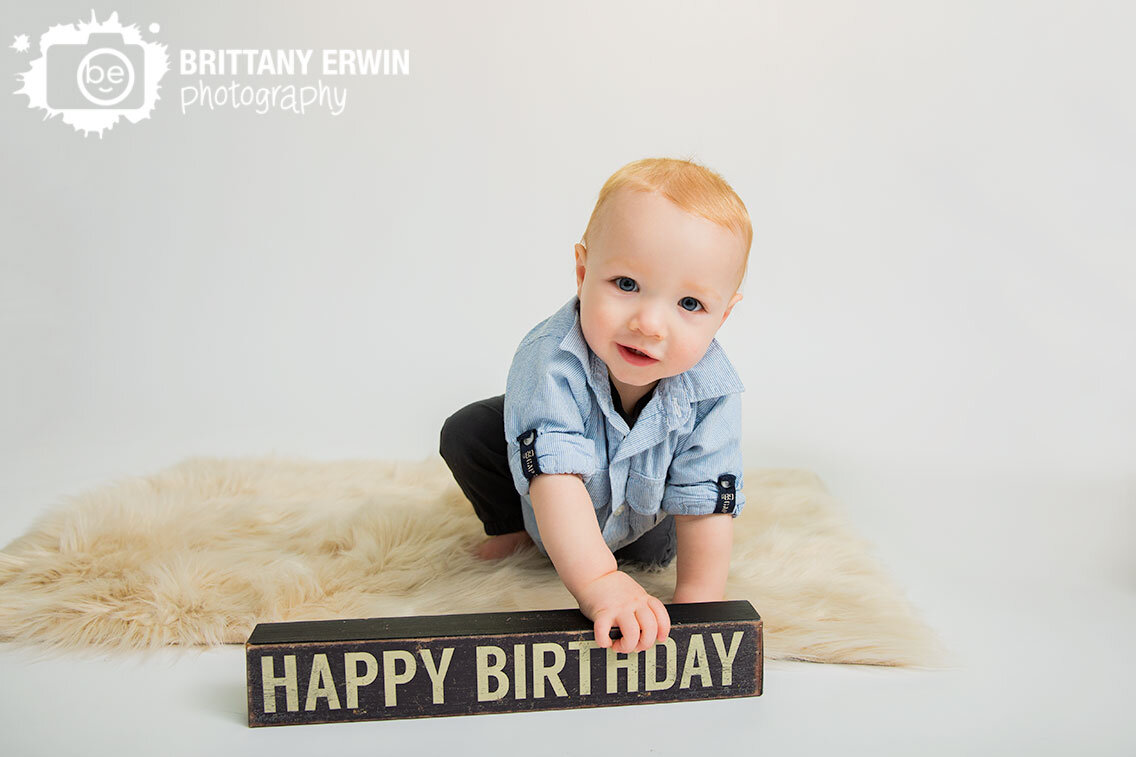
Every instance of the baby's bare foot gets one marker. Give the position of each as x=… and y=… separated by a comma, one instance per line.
x=502, y=545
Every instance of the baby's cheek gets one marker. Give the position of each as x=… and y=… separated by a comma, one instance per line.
x=692, y=353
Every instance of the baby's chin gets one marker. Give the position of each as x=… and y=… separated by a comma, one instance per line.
x=630, y=375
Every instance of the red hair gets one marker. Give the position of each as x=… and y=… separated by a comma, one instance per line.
x=694, y=188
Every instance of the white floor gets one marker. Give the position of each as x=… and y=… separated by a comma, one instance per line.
x=1041, y=627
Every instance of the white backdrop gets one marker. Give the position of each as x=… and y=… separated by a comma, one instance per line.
x=941, y=277
x=937, y=319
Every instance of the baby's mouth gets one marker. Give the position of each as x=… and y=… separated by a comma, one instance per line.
x=636, y=355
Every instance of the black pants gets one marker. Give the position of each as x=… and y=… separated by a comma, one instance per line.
x=473, y=445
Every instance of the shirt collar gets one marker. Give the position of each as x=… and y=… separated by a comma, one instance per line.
x=712, y=376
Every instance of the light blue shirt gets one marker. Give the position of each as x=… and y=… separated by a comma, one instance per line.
x=672, y=460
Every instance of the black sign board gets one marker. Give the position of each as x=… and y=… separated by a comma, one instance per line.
x=426, y=666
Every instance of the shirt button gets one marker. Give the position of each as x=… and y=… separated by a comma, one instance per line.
x=617, y=510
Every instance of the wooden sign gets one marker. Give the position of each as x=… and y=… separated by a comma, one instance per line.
x=425, y=666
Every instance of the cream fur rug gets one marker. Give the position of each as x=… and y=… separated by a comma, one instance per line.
x=201, y=552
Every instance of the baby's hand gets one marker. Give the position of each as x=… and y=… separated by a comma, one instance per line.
x=617, y=599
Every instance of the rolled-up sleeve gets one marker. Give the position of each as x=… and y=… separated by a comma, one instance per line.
x=705, y=475
x=542, y=414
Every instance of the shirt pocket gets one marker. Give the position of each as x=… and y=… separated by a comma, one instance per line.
x=644, y=493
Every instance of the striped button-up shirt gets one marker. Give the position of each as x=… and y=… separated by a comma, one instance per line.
x=682, y=456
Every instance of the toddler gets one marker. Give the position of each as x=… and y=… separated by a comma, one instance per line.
x=617, y=440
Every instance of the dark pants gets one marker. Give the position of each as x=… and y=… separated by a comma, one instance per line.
x=473, y=445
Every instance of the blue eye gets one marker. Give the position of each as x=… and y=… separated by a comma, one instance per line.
x=626, y=284
x=691, y=304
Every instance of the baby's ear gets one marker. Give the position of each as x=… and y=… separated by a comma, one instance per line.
x=581, y=264
x=729, y=308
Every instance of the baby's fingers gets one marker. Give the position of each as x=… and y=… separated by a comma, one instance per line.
x=603, y=629
x=629, y=627
x=661, y=616
x=649, y=628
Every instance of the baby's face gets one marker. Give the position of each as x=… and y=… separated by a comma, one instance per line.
x=658, y=280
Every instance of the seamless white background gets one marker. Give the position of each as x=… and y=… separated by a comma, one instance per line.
x=937, y=319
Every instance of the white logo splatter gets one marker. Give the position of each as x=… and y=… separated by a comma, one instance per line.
x=92, y=73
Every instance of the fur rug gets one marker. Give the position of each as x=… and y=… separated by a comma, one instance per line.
x=201, y=552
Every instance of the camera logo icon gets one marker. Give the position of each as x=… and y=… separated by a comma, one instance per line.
x=104, y=73
x=95, y=73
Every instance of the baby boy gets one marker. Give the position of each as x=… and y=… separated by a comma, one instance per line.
x=618, y=437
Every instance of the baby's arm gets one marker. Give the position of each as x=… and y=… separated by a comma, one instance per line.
x=704, y=494
x=567, y=523
x=704, y=543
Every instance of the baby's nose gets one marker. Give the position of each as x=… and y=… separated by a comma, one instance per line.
x=648, y=321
